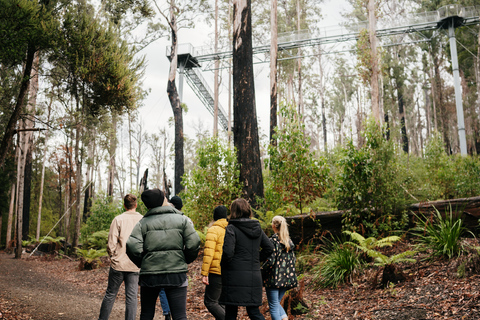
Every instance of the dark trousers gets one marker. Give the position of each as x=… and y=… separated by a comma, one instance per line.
x=212, y=294
x=177, y=301
x=253, y=313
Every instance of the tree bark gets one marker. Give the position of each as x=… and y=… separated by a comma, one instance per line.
x=6, y=144
x=111, y=152
x=8, y=239
x=176, y=104
x=273, y=71
x=372, y=22
x=401, y=113
x=216, y=84
x=245, y=131
x=78, y=192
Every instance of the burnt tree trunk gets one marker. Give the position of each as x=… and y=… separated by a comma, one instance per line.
x=245, y=131
x=401, y=112
x=273, y=72
x=176, y=105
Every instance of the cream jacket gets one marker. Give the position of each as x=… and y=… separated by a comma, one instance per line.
x=120, y=230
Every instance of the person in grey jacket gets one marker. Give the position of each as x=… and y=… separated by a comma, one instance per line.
x=162, y=245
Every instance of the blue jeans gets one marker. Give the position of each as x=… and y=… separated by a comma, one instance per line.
x=177, y=300
x=274, y=296
x=164, y=302
x=115, y=279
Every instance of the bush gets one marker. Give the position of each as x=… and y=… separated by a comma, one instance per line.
x=440, y=234
x=369, y=185
x=103, y=211
x=97, y=240
x=339, y=263
x=295, y=175
x=215, y=181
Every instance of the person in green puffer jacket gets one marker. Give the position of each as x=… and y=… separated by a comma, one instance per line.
x=162, y=245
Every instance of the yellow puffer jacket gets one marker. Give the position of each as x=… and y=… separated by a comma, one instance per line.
x=212, y=254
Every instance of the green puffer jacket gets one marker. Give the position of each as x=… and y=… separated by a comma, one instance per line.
x=164, y=241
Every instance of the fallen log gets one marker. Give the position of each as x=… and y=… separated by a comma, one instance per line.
x=305, y=228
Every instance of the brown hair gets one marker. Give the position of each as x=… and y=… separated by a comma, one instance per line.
x=240, y=209
x=130, y=201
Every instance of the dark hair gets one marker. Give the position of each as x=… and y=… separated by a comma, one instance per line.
x=153, y=198
x=129, y=201
x=177, y=202
x=240, y=209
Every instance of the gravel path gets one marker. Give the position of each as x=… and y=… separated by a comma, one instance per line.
x=45, y=296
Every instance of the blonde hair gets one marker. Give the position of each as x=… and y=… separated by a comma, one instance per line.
x=281, y=225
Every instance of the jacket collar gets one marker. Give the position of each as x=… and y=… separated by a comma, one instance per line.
x=162, y=210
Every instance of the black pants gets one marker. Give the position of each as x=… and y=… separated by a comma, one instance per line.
x=212, y=294
x=177, y=300
x=253, y=313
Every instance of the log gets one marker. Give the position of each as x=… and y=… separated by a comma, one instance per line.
x=466, y=208
x=310, y=227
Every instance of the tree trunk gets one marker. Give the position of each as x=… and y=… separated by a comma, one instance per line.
x=6, y=144
x=176, y=105
x=301, y=110
x=401, y=113
x=78, y=192
x=215, y=81
x=20, y=193
x=273, y=71
x=372, y=22
x=111, y=152
x=42, y=178
x=8, y=239
x=245, y=117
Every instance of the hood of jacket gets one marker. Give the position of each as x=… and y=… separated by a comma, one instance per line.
x=162, y=210
x=250, y=227
x=220, y=223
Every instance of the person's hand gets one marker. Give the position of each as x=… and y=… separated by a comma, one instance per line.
x=205, y=280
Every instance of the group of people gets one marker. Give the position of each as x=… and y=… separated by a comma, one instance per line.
x=154, y=251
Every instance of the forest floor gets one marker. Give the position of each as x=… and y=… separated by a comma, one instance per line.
x=51, y=288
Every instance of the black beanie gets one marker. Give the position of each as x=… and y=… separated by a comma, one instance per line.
x=177, y=202
x=153, y=198
x=220, y=212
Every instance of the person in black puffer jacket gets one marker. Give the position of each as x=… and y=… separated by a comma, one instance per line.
x=161, y=245
x=241, y=276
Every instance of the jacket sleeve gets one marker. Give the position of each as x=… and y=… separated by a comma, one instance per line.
x=135, y=245
x=209, y=251
x=112, y=238
x=267, y=247
x=191, y=241
x=228, y=244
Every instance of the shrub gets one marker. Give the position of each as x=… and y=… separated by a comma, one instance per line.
x=215, y=181
x=103, y=211
x=369, y=186
x=440, y=234
x=295, y=174
x=339, y=263
x=97, y=240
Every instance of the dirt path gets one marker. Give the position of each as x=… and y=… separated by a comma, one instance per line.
x=45, y=296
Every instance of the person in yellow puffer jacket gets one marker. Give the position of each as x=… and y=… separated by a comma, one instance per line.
x=212, y=255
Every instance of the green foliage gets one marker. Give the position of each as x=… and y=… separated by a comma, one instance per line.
x=440, y=169
x=368, y=245
x=103, y=211
x=97, y=240
x=91, y=254
x=339, y=263
x=296, y=175
x=369, y=186
x=202, y=235
x=440, y=234
x=214, y=181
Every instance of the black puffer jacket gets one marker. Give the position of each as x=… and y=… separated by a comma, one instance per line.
x=241, y=276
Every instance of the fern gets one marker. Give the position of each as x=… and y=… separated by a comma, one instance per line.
x=368, y=246
x=91, y=255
